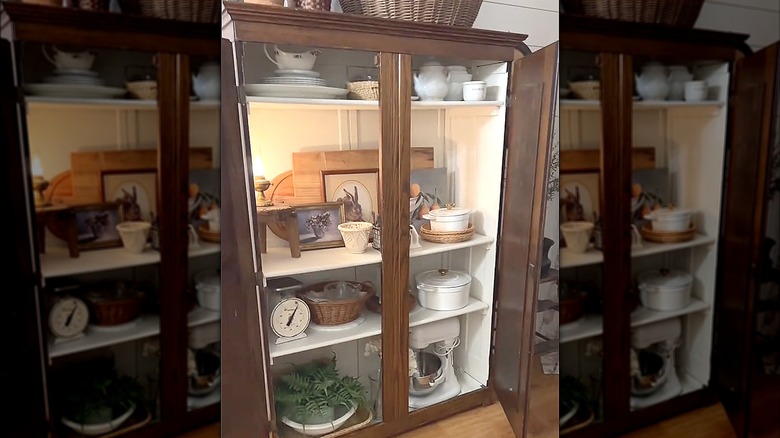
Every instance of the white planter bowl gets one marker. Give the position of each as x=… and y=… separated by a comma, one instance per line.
x=577, y=235
x=134, y=235
x=319, y=429
x=99, y=428
x=670, y=220
x=665, y=290
x=443, y=289
x=355, y=235
x=449, y=219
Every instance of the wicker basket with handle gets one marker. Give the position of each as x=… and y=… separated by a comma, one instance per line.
x=363, y=90
x=679, y=13
x=449, y=12
x=114, y=304
x=329, y=313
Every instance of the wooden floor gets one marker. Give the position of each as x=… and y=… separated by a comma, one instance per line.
x=709, y=422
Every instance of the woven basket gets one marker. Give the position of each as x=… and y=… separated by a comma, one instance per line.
x=446, y=236
x=589, y=90
x=114, y=311
x=363, y=90
x=206, y=234
x=449, y=12
x=678, y=13
x=199, y=11
x=142, y=89
x=330, y=313
x=667, y=237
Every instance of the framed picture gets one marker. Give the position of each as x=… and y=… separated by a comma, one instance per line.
x=358, y=189
x=204, y=192
x=318, y=225
x=96, y=225
x=428, y=190
x=579, y=197
x=649, y=191
x=134, y=190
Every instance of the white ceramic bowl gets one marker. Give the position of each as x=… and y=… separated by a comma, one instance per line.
x=355, y=235
x=100, y=428
x=672, y=220
x=319, y=429
x=577, y=235
x=474, y=91
x=449, y=219
x=696, y=91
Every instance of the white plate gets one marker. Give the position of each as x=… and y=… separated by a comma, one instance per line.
x=75, y=90
x=75, y=72
x=299, y=91
x=73, y=80
x=300, y=73
x=291, y=81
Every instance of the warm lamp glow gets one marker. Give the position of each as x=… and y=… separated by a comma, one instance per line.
x=37, y=170
x=257, y=166
x=39, y=183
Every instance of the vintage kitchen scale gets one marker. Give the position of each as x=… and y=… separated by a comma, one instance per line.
x=290, y=316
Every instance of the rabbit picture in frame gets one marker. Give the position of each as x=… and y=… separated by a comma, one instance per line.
x=357, y=189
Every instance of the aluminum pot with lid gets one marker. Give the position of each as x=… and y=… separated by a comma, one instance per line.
x=665, y=289
x=443, y=289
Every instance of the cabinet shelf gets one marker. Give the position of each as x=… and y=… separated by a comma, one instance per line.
x=595, y=105
x=346, y=104
x=593, y=325
x=277, y=261
x=119, y=104
x=57, y=262
x=147, y=326
x=372, y=326
x=594, y=256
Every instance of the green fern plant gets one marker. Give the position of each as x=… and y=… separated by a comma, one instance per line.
x=313, y=389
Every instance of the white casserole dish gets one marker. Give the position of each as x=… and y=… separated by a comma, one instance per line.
x=449, y=219
x=670, y=219
x=443, y=289
x=208, y=288
x=664, y=289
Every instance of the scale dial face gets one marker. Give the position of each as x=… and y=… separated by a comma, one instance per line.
x=68, y=317
x=290, y=317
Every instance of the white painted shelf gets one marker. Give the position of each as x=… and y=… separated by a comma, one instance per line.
x=57, y=262
x=277, y=261
x=372, y=326
x=346, y=104
x=593, y=256
x=593, y=325
x=595, y=105
x=119, y=104
x=147, y=326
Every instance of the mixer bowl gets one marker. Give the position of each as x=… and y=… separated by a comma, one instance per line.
x=430, y=369
x=653, y=374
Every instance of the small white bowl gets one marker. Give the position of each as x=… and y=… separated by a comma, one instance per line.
x=474, y=91
x=577, y=235
x=134, y=235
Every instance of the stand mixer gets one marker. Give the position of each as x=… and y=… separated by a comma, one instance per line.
x=435, y=380
x=661, y=339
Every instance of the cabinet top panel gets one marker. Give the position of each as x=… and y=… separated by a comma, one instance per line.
x=107, y=30
x=273, y=24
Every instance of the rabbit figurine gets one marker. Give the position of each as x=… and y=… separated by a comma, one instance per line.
x=352, y=209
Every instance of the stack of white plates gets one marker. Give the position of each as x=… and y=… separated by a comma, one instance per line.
x=74, y=83
x=295, y=83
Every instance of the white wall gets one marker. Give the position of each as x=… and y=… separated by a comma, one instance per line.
x=758, y=18
x=536, y=18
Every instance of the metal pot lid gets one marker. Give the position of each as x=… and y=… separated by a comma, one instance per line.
x=665, y=278
x=449, y=212
x=443, y=278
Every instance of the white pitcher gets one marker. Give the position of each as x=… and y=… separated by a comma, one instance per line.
x=206, y=83
x=70, y=60
x=432, y=82
x=653, y=84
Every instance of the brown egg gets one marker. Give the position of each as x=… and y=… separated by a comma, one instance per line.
x=414, y=190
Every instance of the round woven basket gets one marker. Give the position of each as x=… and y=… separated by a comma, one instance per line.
x=667, y=237
x=363, y=90
x=146, y=90
x=446, y=236
x=449, y=12
x=208, y=235
x=199, y=11
x=680, y=13
x=330, y=313
x=109, y=310
x=586, y=89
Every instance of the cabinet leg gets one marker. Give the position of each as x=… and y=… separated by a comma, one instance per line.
x=292, y=236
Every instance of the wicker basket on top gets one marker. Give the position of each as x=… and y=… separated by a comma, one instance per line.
x=449, y=12
x=678, y=13
x=199, y=11
x=335, y=312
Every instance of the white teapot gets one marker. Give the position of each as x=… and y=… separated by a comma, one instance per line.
x=206, y=83
x=432, y=82
x=678, y=76
x=653, y=84
x=70, y=60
